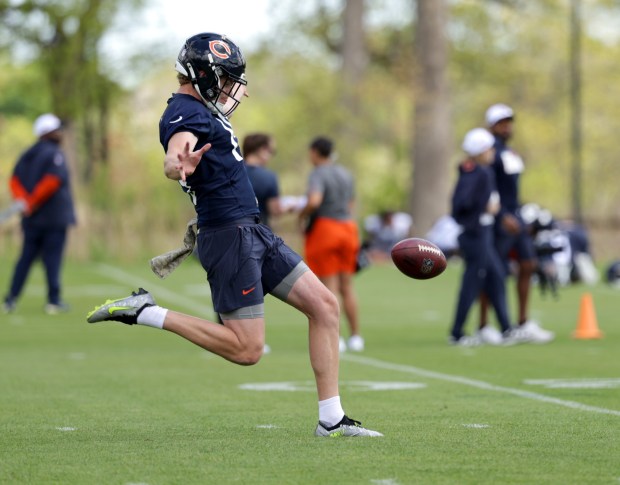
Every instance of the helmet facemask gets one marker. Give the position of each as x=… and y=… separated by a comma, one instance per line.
x=228, y=94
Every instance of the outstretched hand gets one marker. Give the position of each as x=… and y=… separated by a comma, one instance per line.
x=188, y=160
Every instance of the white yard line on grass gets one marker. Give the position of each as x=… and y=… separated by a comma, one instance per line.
x=116, y=274
x=408, y=369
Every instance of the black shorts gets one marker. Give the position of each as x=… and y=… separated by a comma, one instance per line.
x=244, y=261
x=520, y=246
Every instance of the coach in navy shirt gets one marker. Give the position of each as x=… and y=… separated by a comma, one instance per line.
x=474, y=204
x=40, y=181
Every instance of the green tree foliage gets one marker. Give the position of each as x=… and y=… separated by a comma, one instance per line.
x=515, y=52
x=499, y=51
x=64, y=38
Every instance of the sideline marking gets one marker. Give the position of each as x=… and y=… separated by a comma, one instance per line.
x=117, y=274
x=310, y=386
x=475, y=383
x=585, y=383
x=475, y=425
x=66, y=428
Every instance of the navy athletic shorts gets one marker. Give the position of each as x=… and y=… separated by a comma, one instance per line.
x=244, y=261
x=520, y=245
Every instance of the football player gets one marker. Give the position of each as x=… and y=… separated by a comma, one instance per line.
x=243, y=259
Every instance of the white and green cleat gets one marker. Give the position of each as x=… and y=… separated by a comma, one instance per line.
x=125, y=310
x=345, y=428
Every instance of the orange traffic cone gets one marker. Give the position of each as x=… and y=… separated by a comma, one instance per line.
x=587, y=327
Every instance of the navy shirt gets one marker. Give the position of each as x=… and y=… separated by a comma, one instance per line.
x=471, y=195
x=265, y=184
x=42, y=159
x=507, y=167
x=219, y=188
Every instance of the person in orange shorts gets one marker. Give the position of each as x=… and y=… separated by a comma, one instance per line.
x=331, y=234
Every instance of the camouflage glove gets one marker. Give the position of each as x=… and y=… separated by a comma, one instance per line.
x=166, y=263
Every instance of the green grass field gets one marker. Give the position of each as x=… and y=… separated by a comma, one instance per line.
x=112, y=404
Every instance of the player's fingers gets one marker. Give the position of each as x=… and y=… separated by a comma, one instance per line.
x=204, y=149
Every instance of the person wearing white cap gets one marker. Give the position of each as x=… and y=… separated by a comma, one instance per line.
x=40, y=184
x=511, y=235
x=474, y=205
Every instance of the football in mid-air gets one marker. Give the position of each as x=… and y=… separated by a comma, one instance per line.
x=418, y=258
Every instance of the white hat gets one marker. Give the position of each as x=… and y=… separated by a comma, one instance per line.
x=498, y=112
x=45, y=124
x=477, y=141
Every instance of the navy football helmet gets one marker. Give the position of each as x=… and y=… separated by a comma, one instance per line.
x=216, y=68
x=613, y=274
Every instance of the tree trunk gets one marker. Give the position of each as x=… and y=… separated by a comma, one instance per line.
x=354, y=62
x=354, y=55
x=431, y=141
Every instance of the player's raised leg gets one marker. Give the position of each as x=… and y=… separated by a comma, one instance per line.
x=238, y=340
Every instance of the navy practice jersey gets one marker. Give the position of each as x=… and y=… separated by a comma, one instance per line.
x=471, y=195
x=46, y=159
x=265, y=185
x=219, y=188
x=508, y=167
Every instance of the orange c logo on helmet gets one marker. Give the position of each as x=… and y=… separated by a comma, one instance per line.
x=219, y=49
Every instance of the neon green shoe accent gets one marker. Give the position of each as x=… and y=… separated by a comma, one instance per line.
x=113, y=309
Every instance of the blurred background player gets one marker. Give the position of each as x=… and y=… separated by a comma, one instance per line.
x=331, y=234
x=41, y=182
x=258, y=150
x=474, y=205
x=384, y=231
x=511, y=235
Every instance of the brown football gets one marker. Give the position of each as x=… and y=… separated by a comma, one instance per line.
x=418, y=258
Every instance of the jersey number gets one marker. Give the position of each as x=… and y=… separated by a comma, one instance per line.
x=235, y=151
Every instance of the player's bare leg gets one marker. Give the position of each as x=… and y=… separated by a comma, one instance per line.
x=320, y=305
x=484, y=309
x=524, y=277
x=530, y=329
x=341, y=285
x=239, y=341
x=349, y=302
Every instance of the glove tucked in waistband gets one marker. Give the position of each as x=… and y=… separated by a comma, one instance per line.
x=166, y=263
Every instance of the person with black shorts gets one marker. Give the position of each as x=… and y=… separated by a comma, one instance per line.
x=511, y=233
x=243, y=259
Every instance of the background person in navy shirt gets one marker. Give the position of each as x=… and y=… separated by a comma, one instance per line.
x=258, y=150
x=41, y=183
x=474, y=205
x=511, y=232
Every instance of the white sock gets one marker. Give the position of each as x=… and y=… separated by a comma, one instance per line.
x=330, y=411
x=153, y=316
